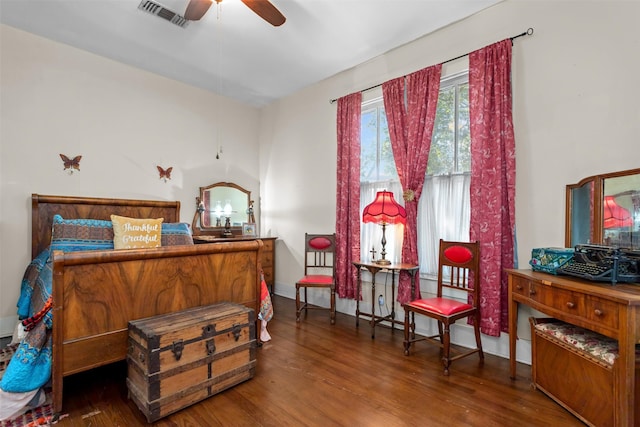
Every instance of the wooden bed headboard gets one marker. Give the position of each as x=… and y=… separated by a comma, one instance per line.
x=44, y=207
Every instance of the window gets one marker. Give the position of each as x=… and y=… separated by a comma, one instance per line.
x=377, y=173
x=443, y=210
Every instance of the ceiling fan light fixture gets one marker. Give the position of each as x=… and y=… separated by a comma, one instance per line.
x=263, y=8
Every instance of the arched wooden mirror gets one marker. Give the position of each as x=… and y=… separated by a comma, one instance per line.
x=604, y=209
x=222, y=209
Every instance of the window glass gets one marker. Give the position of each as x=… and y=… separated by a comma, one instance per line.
x=376, y=154
x=450, y=143
x=443, y=209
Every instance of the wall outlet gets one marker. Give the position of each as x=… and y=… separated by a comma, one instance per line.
x=380, y=299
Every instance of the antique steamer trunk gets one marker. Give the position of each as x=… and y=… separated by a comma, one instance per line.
x=178, y=359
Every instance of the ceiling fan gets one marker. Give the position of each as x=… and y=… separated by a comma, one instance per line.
x=263, y=8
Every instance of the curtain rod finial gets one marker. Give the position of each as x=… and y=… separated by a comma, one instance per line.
x=526, y=33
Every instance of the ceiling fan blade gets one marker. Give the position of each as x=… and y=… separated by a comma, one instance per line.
x=266, y=11
x=196, y=9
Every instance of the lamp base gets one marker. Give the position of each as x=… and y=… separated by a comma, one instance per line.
x=382, y=262
x=227, y=228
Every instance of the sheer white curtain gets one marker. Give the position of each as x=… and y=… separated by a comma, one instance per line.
x=371, y=234
x=443, y=213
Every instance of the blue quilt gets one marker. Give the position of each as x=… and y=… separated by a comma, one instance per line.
x=30, y=366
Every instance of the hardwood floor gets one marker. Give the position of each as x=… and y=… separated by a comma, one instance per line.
x=315, y=374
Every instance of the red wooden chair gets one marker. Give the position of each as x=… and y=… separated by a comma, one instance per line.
x=319, y=272
x=458, y=272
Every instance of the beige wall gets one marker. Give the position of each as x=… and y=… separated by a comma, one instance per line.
x=123, y=121
x=575, y=111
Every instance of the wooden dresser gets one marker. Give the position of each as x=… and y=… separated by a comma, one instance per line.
x=611, y=310
x=268, y=258
x=269, y=262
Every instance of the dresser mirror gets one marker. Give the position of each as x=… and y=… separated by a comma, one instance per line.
x=604, y=209
x=222, y=209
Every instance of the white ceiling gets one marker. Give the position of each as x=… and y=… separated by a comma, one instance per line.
x=232, y=51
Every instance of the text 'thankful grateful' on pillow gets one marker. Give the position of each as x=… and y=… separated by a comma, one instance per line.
x=129, y=233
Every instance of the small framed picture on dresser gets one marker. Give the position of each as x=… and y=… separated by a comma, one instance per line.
x=249, y=229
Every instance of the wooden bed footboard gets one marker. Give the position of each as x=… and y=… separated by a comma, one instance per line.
x=96, y=294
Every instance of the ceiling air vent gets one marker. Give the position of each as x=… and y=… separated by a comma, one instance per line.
x=164, y=13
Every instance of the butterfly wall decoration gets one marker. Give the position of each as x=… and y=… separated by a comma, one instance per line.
x=71, y=164
x=165, y=173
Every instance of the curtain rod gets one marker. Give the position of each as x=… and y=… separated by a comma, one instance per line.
x=526, y=33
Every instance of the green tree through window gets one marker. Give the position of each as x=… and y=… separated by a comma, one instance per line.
x=450, y=143
x=376, y=156
x=449, y=156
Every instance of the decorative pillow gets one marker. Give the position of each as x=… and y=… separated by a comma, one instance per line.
x=129, y=233
x=176, y=233
x=70, y=235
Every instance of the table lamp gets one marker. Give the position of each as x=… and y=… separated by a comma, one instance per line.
x=227, y=210
x=614, y=215
x=384, y=210
x=218, y=213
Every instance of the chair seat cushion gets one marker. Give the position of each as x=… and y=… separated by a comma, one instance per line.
x=443, y=306
x=316, y=279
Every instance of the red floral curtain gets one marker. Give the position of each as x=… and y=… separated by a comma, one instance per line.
x=493, y=172
x=411, y=115
x=348, y=194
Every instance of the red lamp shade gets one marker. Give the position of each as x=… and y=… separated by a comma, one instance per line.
x=614, y=215
x=384, y=210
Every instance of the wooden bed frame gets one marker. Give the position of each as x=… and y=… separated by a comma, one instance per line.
x=96, y=293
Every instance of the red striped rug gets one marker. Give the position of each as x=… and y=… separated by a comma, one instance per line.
x=39, y=416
